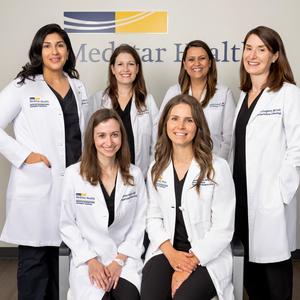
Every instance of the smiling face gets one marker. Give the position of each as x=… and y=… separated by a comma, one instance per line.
x=107, y=139
x=257, y=58
x=181, y=128
x=125, y=69
x=197, y=63
x=54, y=53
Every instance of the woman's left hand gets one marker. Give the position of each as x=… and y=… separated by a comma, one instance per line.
x=113, y=271
x=177, y=279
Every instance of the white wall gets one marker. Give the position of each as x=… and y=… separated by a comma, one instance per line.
x=219, y=23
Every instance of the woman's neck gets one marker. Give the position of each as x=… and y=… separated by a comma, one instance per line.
x=124, y=95
x=258, y=82
x=198, y=87
x=182, y=154
x=182, y=158
x=52, y=77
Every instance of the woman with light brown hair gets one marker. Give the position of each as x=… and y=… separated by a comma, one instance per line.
x=103, y=214
x=198, y=78
x=190, y=215
x=266, y=161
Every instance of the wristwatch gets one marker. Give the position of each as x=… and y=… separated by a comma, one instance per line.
x=120, y=262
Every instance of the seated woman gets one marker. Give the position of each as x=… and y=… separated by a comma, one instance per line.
x=190, y=217
x=103, y=214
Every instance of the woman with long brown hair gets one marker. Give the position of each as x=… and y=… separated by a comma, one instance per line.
x=266, y=161
x=198, y=78
x=127, y=94
x=190, y=214
x=103, y=214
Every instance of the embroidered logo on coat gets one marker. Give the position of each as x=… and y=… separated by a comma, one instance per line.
x=83, y=198
x=161, y=183
x=38, y=102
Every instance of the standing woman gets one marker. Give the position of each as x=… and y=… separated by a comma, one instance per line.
x=198, y=78
x=190, y=216
x=103, y=214
x=266, y=165
x=127, y=94
x=45, y=103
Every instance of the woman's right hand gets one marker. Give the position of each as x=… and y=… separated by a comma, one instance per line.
x=97, y=274
x=34, y=158
x=179, y=260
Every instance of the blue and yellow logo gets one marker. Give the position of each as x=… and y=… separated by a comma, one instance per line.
x=116, y=22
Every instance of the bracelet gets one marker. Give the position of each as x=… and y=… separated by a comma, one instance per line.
x=120, y=262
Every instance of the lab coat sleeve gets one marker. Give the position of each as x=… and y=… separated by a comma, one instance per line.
x=289, y=173
x=94, y=103
x=154, y=118
x=155, y=219
x=228, y=116
x=11, y=108
x=132, y=246
x=222, y=217
x=70, y=233
x=171, y=92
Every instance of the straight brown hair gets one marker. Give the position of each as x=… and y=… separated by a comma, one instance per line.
x=138, y=85
x=90, y=168
x=280, y=70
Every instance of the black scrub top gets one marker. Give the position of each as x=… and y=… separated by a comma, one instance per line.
x=72, y=130
x=110, y=203
x=181, y=241
x=125, y=117
x=239, y=166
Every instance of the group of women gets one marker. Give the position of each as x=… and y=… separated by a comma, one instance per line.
x=191, y=204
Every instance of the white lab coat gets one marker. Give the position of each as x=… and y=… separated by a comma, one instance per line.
x=84, y=228
x=34, y=190
x=272, y=171
x=219, y=114
x=208, y=217
x=144, y=127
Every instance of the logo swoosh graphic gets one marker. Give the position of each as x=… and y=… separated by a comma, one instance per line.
x=121, y=22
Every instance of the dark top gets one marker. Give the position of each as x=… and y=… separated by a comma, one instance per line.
x=181, y=241
x=72, y=130
x=125, y=117
x=239, y=165
x=110, y=203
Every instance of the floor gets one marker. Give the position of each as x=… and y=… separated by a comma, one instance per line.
x=8, y=285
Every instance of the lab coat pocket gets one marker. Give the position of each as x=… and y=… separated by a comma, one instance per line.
x=126, y=209
x=270, y=195
x=33, y=182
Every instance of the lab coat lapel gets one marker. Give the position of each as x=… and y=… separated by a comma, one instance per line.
x=120, y=190
x=262, y=102
x=76, y=88
x=168, y=176
x=133, y=115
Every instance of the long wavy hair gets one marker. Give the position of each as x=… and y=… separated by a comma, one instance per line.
x=280, y=71
x=202, y=143
x=184, y=79
x=35, y=66
x=89, y=167
x=138, y=85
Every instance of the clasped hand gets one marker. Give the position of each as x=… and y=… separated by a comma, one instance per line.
x=182, y=261
x=104, y=277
